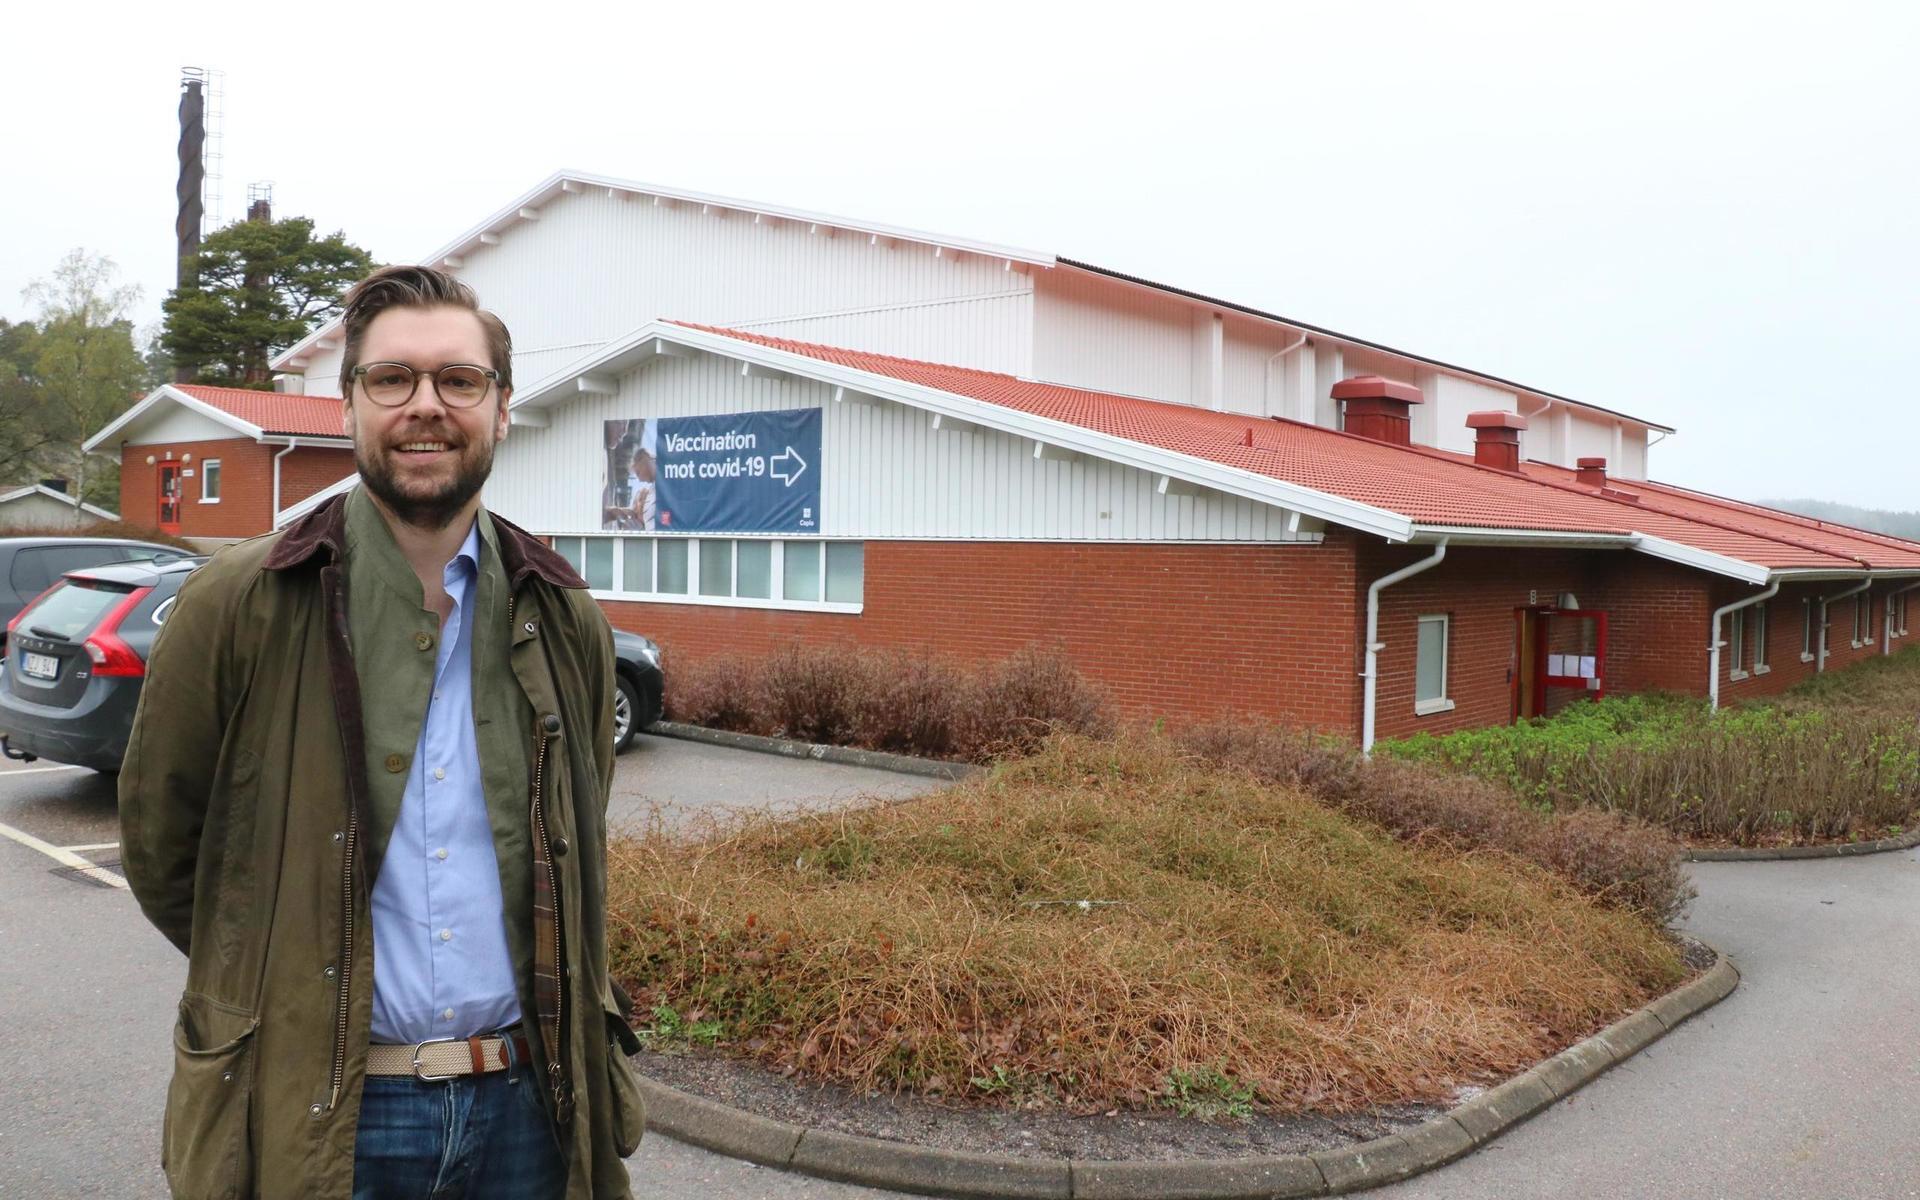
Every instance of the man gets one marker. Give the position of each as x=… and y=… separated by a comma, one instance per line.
x=365, y=795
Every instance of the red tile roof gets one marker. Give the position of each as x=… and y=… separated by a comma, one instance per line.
x=274, y=412
x=1431, y=487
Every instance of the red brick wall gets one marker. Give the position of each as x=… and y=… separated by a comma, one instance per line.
x=1787, y=615
x=307, y=471
x=1172, y=629
x=246, y=484
x=1273, y=631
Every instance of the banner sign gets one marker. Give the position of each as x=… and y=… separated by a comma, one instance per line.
x=735, y=473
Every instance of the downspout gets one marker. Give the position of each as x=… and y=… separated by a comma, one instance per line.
x=1266, y=376
x=291, y=443
x=1713, y=647
x=1820, y=663
x=1886, y=621
x=1374, y=647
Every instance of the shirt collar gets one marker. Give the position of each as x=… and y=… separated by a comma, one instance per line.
x=465, y=560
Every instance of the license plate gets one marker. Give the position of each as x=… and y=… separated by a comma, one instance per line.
x=40, y=666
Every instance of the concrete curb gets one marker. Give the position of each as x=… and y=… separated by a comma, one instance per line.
x=1905, y=841
x=900, y=764
x=908, y=1168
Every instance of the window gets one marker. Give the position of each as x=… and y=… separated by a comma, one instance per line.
x=756, y=572
x=1430, y=668
x=1760, y=666
x=1901, y=624
x=209, y=481
x=1737, y=644
x=1806, y=631
x=1862, y=620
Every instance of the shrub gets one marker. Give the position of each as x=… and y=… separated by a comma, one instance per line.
x=719, y=692
x=1620, y=861
x=917, y=707
x=816, y=693
x=1035, y=691
x=119, y=530
x=1747, y=775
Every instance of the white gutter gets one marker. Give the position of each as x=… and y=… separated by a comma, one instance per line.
x=1374, y=647
x=291, y=443
x=1820, y=663
x=1886, y=621
x=1713, y=647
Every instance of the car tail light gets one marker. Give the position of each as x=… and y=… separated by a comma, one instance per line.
x=110, y=655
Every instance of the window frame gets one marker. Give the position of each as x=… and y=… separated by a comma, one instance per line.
x=210, y=469
x=1442, y=702
x=1762, y=619
x=1737, y=644
x=696, y=544
x=1807, y=643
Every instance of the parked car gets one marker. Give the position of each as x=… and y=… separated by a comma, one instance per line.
x=639, y=686
x=29, y=565
x=76, y=658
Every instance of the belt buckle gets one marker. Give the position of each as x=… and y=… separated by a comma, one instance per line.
x=422, y=1076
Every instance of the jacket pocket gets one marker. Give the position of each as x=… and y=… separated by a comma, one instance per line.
x=204, y=1146
x=629, y=1109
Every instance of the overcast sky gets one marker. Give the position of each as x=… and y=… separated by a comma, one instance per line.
x=1705, y=215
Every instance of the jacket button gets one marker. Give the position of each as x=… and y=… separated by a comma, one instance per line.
x=423, y=640
x=559, y=847
x=396, y=763
x=550, y=723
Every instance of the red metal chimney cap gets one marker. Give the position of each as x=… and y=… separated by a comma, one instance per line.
x=1496, y=419
x=1596, y=463
x=1375, y=387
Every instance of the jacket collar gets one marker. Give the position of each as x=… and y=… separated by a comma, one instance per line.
x=325, y=529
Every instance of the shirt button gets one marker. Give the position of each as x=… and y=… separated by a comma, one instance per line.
x=447, y=1015
x=439, y=772
x=396, y=763
x=440, y=853
x=423, y=640
x=446, y=935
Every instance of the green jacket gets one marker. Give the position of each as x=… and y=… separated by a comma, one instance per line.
x=245, y=821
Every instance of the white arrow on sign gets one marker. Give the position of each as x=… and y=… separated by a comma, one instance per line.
x=788, y=476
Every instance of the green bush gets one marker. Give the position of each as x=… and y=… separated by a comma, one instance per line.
x=1750, y=775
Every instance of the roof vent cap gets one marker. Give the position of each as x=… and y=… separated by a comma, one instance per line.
x=1591, y=472
x=1379, y=408
x=1497, y=438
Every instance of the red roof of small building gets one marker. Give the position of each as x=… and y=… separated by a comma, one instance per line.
x=1429, y=486
x=274, y=412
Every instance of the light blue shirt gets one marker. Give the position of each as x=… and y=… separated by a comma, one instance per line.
x=440, y=963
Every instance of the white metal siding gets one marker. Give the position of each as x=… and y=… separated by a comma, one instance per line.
x=594, y=266
x=987, y=332
x=1633, y=455
x=35, y=511
x=321, y=376
x=885, y=472
x=173, y=423
x=1108, y=336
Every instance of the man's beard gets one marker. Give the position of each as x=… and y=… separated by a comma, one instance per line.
x=434, y=510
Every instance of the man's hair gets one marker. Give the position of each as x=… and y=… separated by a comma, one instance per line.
x=417, y=287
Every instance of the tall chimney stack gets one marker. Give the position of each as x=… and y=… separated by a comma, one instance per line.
x=1496, y=441
x=1379, y=408
x=193, y=176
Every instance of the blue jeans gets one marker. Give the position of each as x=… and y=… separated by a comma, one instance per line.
x=473, y=1137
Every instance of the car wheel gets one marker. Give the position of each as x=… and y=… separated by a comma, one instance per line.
x=626, y=705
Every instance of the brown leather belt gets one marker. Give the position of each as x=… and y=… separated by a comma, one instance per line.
x=450, y=1057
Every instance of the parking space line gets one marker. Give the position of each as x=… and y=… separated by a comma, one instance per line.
x=65, y=858
x=36, y=770
x=93, y=846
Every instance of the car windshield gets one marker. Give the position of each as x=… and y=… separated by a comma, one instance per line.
x=71, y=609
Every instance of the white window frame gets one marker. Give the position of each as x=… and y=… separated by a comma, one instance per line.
x=1862, y=620
x=210, y=469
x=1442, y=702
x=1761, y=632
x=1806, y=631
x=1737, y=644
x=625, y=543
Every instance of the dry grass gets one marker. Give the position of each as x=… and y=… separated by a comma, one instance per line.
x=1233, y=930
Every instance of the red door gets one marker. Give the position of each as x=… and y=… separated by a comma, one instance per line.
x=170, y=497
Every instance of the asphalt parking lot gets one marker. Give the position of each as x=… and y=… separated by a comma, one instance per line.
x=1800, y=1085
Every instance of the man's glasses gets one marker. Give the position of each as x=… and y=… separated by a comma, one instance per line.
x=391, y=384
